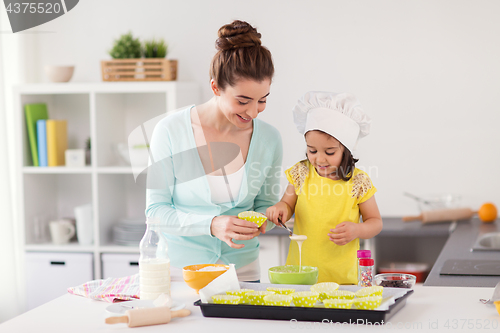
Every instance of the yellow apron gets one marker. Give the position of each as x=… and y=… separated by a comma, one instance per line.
x=323, y=203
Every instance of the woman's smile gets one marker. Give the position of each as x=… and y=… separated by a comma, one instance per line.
x=243, y=119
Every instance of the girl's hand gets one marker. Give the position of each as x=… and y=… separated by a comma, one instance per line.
x=344, y=233
x=280, y=210
x=226, y=228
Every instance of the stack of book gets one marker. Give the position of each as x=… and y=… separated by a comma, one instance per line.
x=48, y=138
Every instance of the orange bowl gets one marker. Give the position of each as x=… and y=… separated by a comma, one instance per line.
x=197, y=279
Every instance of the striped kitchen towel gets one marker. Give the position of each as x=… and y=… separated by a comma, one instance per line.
x=109, y=290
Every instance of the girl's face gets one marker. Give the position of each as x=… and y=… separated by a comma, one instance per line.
x=325, y=153
x=244, y=101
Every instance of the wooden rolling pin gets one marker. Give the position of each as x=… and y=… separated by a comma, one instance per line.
x=443, y=215
x=148, y=316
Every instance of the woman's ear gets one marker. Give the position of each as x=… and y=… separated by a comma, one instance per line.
x=214, y=87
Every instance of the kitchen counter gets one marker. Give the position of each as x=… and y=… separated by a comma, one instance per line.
x=395, y=226
x=428, y=309
x=401, y=241
x=458, y=246
x=429, y=243
x=432, y=243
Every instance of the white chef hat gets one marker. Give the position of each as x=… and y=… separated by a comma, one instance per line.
x=338, y=114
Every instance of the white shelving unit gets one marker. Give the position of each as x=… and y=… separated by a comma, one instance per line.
x=107, y=113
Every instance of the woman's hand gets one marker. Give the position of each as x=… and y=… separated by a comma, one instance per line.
x=226, y=228
x=262, y=228
x=280, y=210
x=344, y=233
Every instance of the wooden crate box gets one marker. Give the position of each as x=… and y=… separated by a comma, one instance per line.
x=144, y=69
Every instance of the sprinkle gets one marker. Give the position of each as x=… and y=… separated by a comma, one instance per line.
x=366, y=277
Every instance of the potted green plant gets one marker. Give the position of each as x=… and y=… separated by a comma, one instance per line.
x=88, y=154
x=126, y=47
x=155, y=49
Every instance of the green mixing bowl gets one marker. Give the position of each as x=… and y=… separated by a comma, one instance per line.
x=290, y=274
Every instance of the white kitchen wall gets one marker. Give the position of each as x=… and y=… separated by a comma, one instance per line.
x=426, y=71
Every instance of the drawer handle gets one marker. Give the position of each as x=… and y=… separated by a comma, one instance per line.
x=58, y=263
x=134, y=263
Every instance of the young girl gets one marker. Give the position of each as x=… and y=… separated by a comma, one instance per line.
x=327, y=192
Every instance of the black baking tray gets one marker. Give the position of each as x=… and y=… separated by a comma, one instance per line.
x=302, y=314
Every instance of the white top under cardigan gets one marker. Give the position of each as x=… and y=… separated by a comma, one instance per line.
x=225, y=192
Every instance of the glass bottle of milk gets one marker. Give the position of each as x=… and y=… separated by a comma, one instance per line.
x=154, y=264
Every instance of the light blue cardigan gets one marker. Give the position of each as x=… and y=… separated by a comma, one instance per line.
x=178, y=191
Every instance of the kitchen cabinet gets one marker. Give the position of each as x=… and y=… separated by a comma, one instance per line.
x=49, y=274
x=107, y=113
x=458, y=246
x=273, y=250
x=116, y=265
x=408, y=242
x=269, y=255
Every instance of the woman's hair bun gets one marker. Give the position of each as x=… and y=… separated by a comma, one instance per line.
x=240, y=55
x=237, y=34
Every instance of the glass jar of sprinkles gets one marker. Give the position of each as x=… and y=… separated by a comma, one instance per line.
x=365, y=278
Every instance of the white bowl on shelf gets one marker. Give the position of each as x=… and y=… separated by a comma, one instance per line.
x=59, y=73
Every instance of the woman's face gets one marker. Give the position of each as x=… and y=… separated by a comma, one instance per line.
x=324, y=152
x=244, y=101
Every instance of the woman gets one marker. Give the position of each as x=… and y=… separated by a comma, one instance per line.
x=215, y=160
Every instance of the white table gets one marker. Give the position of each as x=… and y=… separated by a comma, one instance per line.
x=429, y=309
